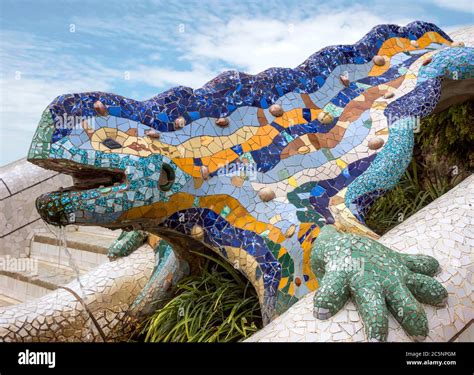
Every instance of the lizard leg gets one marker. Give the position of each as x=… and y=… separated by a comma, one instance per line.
x=168, y=271
x=407, y=310
x=126, y=243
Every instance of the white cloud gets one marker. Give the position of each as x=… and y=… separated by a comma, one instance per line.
x=21, y=104
x=167, y=77
x=259, y=43
x=459, y=5
x=34, y=71
x=251, y=40
x=254, y=44
x=22, y=100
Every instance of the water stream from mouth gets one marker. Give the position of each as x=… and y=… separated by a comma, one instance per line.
x=60, y=234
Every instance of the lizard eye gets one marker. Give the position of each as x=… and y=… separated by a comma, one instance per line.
x=167, y=176
x=111, y=143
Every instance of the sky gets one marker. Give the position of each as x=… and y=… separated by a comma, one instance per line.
x=140, y=48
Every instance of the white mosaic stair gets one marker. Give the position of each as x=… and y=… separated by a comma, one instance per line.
x=107, y=294
x=88, y=247
x=20, y=184
x=25, y=237
x=7, y=301
x=96, y=230
x=49, y=264
x=25, y=285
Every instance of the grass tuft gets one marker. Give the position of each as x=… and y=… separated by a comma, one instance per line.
x=215, y=306
x=409, y=196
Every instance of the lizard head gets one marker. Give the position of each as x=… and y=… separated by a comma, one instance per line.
x=116, y=164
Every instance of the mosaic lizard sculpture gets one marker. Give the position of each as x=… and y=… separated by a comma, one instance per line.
x=274, y=171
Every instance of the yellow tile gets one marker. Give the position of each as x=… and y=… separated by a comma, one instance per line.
x=292, y=182
x=341, y=163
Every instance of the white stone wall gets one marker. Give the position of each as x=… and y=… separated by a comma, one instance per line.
x=20, y=184
x=465, y=35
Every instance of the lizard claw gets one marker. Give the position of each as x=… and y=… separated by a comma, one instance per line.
x=378, y=279
x=321, y=313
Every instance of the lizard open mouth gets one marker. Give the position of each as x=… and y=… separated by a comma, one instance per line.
x=84, y=177
x=58, y=207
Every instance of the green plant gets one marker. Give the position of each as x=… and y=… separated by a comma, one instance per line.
x=411, y=194
x=449, y=134
x=215, y=306
x=398, y=204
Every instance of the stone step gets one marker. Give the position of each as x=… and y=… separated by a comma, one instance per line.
x=87, y=249
x=96, y=243
x=26, y=278
x=97, y=230
x=49, y=265
x=7, y=301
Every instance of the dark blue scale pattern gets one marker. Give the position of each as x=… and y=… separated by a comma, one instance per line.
x=325, y=190
x=218, y=233
x=268, y=157
x=417, y=103
x=230, y=90
x=364, y=202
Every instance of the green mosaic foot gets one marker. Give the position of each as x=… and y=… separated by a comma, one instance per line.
x=126, y=243
x=378, y=279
